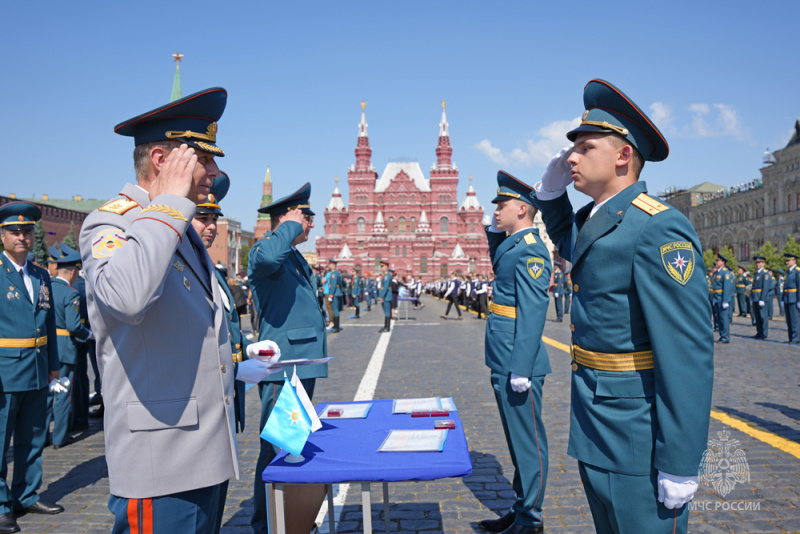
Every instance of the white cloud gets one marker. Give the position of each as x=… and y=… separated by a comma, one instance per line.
x=551, y=138
x=661, y=115
x=492, y=152
x=717, y=120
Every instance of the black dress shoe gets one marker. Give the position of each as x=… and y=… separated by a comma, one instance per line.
x=8, y=524
x=516, y=528
x=98, y=412
x=44, y=507
x=499, y=524
x=96, y=400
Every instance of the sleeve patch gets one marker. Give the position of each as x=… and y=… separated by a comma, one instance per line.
x=77, y=305
x=535, y=267
x=648, y=204
x=119, y=206
x=168, y=210
x=107, y=243
x=677, y=258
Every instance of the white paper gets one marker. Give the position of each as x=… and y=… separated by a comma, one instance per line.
x=414, y=441
x=416, y=405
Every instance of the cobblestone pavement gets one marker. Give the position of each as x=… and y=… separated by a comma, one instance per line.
x=756, y=390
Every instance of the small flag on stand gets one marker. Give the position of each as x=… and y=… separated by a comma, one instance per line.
x=289, y=425
x=316, y=424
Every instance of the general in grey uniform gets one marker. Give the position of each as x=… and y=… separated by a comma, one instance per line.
x=162, y=338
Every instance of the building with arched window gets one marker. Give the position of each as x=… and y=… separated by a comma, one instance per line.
x=411, y=219
x=747, y=215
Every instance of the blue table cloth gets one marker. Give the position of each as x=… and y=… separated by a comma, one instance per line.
x=346, y=450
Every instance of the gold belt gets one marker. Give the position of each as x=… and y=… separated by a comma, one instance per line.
x=790, y=290
x=756, y=290
x=741, y=285
x=237, y=357
x=505, y=311
x=716, y=290
x=24, y=343
x=62, y=332
x=625, y=361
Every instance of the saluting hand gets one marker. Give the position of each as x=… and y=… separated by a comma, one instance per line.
x=175, y=176
x=295, y=215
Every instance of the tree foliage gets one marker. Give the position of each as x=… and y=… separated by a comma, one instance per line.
x=71, y=240
x=245, y=256
x=40, y=245
x=773, y=257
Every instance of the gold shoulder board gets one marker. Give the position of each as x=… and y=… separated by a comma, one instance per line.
x=529, y=239
x=119, y=206
x=648, y=204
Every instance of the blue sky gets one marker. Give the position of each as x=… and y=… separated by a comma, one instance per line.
x=720, y=80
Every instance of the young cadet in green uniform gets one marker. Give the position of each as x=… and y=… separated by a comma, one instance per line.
x=70, y=331
x=558, y=292
x=28, y=363
x=760, y=296
x=284, y=295
x=515, y=352
x=741, y=285
x=385, y=296
x=791, y=303
x=721, y=298
x=642, y=344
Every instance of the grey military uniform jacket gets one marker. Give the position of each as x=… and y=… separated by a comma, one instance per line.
x=162, y=345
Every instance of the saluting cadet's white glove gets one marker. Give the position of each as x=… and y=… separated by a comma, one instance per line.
x=59, y=385
x=724, y=305
x=675, y=491
x=761, y=303
x=261, y=349
x=557, y=176
x=520, y=384
x=493, y=227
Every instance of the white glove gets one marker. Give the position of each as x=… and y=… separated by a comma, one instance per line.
x=255, y=370
x=761, y=303
x=493, y=227
x=266, y=345
x=330, y=298
x=557, y=176
x=724, y=305
x=59, y=385
x=520, y=384
x=675, y=491
x=555, y=295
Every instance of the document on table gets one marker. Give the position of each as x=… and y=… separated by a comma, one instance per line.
x=414, y=441
x=416, y=405
x=347, y=411
x=449, y=405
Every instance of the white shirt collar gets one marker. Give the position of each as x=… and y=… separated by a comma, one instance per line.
x=598, y=206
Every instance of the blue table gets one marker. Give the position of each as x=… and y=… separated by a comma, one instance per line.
x=346, y=450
